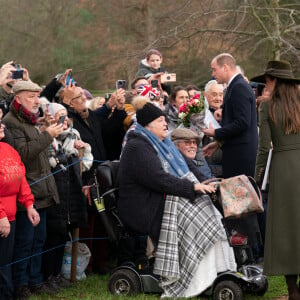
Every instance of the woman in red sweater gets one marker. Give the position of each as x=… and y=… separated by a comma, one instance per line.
x=13, y=186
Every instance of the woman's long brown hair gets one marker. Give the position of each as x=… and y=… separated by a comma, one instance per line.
x=286, y=95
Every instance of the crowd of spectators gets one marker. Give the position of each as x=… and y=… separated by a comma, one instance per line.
x=53, y=138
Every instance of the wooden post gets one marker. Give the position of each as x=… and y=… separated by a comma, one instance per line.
x=75, y=236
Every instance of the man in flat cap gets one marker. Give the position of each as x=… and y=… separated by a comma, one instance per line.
x=187, y=142
x=32, y=144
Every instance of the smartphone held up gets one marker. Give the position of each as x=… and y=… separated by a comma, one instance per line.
x=121, y=84
x=61, y=120
x=70, y=79
x=18, y=73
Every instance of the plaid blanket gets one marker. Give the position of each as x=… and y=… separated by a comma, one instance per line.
x=188, y=231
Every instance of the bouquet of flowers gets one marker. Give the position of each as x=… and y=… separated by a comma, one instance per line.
x=192, y=113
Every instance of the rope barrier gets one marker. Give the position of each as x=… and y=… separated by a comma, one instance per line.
x=49, y=250
x=75, y=240
x=65, y=167
x=56, y=247
x=72, y=240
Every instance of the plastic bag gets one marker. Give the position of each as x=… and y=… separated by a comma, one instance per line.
x=210, y=120
x=83, y=258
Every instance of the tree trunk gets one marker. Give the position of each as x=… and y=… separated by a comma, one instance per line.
x=276, y=40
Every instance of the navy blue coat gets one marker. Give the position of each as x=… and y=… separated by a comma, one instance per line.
x=239, y=129
x=143, y=183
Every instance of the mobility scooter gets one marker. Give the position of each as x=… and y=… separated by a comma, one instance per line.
x=131, y=278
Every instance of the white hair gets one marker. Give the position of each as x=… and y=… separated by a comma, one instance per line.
x=209, y=85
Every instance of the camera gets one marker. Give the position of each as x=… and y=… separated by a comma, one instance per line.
x=121, y=84
x=168, y=77
x=18, y=74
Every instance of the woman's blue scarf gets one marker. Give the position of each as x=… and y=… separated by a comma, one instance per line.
x=171, y=158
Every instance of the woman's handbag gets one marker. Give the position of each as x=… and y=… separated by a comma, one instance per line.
x=239, y=195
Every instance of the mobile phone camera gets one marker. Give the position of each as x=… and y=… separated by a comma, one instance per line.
x=70, y=78
x=121, y=84
x=18, y=74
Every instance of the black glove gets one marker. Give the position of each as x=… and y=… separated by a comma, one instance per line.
x=62, y=158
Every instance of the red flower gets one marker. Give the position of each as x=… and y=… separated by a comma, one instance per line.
x=193, y=106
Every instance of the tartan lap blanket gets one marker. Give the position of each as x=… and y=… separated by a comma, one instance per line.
x=188, y=231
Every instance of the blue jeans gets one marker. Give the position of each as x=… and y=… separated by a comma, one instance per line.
x=29, y=240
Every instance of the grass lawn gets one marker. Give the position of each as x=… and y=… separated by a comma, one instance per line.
x=95, y=288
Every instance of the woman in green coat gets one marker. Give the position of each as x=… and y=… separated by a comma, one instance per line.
x=280, y=124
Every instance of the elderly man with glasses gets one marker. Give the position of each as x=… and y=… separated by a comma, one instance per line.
x=187, y=142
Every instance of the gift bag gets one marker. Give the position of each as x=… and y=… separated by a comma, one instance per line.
x=239, y=196
x=83, y=258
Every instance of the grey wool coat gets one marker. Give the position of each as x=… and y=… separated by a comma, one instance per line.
x=282, y=244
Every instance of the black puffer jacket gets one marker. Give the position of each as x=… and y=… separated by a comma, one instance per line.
x=72, y=210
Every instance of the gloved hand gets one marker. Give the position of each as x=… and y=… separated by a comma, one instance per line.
x=62, y=158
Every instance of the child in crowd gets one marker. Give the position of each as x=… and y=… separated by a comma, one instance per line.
x=151, y=65
x=151, y=68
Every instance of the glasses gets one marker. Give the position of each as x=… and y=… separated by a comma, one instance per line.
x=77, y=97
x=189, y=142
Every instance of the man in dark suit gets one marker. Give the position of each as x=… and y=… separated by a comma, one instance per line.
x=238, y=136
x=238, y=139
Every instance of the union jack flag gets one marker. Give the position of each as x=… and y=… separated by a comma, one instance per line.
x=148, y=91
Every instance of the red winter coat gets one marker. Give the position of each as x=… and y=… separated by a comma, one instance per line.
x=13, y=182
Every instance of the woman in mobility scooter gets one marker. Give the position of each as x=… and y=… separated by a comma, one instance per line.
x=150, y=168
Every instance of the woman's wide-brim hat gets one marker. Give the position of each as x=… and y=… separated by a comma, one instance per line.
x=279, y=69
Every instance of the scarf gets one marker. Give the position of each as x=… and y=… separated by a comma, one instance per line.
x=25, y=113
x=171, y=159
x=64, y=143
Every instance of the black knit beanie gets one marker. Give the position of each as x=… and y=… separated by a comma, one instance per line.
x=148, y=113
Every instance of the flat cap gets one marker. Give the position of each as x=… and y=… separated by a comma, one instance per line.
x=26, y=85
x=184, y=134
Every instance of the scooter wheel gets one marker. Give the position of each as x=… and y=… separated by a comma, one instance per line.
x=263, y=290
x=124, y=282
x=227, y=290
